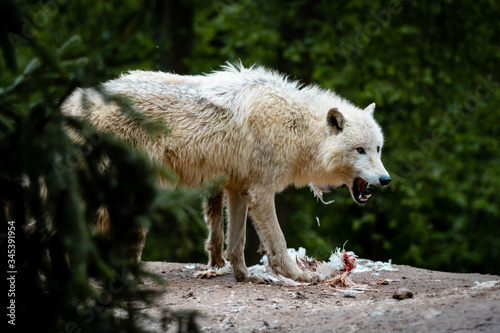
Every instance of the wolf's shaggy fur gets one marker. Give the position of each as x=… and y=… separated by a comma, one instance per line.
x=258, y=129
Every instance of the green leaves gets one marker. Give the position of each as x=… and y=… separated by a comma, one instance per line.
x=30, y=67
x=53, y=187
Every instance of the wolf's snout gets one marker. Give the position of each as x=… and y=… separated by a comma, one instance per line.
x=385, y=180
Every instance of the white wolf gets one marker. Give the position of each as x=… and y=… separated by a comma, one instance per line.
x=261, y=131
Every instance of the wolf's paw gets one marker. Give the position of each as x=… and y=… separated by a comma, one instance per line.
x=216, y=261
x=258, y=279
x=310, y=277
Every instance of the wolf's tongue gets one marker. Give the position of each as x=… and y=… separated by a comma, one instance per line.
x=362, y=185
x=364, y=192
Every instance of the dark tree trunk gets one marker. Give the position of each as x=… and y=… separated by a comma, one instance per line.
x=173, y=31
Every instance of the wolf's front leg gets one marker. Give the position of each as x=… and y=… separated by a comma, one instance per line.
x=236, y=229
x=262, y=210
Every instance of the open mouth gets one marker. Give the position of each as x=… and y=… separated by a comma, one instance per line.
x=360, y=191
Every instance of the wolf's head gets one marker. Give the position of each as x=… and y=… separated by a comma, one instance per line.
x=352, y=151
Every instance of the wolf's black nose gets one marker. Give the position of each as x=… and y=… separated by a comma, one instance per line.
x=385, y=180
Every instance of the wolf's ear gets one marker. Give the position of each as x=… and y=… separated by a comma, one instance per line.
x=370, y=108
x=335, y=121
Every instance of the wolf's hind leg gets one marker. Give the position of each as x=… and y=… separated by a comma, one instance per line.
x=136, y=244
x=215, y=221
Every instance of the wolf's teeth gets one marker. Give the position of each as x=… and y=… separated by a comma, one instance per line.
x=362, y=197
x=368, y=196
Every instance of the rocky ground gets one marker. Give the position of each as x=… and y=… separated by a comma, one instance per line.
x=407, y=299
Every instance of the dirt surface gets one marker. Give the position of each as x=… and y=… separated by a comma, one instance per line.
x=441, y=302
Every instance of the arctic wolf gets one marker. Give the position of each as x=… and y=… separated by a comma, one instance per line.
x=261, y=131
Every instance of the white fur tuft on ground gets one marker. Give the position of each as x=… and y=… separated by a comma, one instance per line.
x=336, y=270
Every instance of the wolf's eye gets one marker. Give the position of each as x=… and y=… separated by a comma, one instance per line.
x=360, y=150
x=378, y=149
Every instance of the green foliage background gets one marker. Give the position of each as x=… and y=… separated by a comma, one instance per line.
x=430, y=66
